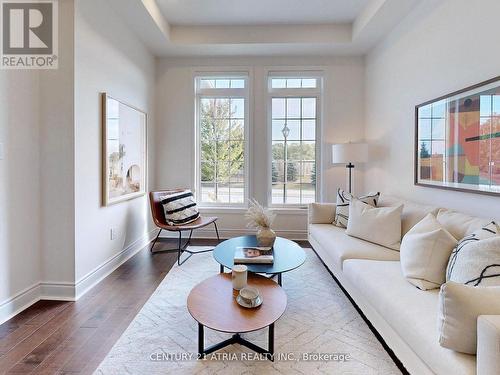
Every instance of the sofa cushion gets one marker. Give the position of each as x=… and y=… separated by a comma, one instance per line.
x=340, y=246
x=459, y=224
x=459, y=307
x=321, y=213
x=488, y=337
x=412, y=212
x=411, y=312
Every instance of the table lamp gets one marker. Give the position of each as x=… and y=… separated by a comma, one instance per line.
x=349, y=153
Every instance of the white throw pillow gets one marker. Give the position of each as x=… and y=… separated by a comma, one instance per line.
x=180, y=208
x=425, y=251
x=342, y=208
x=378, y=225
x=459, y=307
x=475, y=260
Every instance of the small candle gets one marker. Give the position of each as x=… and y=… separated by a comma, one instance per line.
x=239, y=276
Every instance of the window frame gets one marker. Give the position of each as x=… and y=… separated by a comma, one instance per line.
x=222, y=93
x=294, y=93
x=430, y=140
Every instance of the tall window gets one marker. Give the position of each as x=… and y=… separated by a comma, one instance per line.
x=294, y=122
x=222, y=116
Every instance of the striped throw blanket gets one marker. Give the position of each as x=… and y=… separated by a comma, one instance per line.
x=180, y=208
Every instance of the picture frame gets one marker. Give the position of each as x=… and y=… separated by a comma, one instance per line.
x=457, y=140
x=124, y=151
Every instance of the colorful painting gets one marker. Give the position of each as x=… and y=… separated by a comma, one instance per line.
x=458, y=140
x=124, y=151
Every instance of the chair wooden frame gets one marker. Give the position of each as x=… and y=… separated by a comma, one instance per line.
x=158, y=215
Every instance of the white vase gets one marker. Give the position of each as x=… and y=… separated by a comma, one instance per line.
x=266, y=237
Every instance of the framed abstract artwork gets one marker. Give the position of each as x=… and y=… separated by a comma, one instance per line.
x=457, y=140
x=124, y=151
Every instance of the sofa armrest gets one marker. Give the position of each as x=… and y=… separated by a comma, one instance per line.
x=488, y=344
x=321, y=213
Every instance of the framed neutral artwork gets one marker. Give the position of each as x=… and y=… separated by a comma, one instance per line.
x=457, y=140
x=124, y=151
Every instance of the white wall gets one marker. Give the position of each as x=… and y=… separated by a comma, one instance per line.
x=19, y=188
x=54, y=232
x=108, y=58
x=36, y=179
x=57, y=167
x=343, y=116
x=442, y=46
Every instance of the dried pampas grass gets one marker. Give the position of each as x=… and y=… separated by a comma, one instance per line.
x=258, y=216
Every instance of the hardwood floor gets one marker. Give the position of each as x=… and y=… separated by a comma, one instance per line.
x=52, y=337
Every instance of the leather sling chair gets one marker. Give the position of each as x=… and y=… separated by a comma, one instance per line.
x=159, y=219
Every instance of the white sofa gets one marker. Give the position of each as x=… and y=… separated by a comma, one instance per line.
x=403, y=315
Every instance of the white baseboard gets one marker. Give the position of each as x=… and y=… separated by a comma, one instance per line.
x=87, y=282
x=54, y=291
x=57, y=291
x=66, y=291
x=230, y=233
x=21, y=301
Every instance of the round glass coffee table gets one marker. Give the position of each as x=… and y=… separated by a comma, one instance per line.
x=287, y=255
x=212, y=303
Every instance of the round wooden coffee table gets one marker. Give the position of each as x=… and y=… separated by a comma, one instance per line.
x=288, y=255
x=212, y=303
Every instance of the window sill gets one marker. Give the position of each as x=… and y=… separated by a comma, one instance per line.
x=242, y=210
x=289, y=210
x=215, y=210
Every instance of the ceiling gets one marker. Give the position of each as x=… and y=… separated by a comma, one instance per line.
x=259, y=12
x=261, y=27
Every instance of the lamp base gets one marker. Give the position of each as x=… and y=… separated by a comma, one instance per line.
x=350, y=166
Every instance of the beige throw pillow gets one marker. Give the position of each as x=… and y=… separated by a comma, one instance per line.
x=425, y=251
x=343, y=200
x=378, y=225
x=459, y=307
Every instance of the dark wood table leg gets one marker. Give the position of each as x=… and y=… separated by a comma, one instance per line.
x=279, y=279
x=221, y=268
x=235, y=339
x=271, y=341
x=201, y=340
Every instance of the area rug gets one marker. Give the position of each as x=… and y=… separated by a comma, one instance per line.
x=319, y=333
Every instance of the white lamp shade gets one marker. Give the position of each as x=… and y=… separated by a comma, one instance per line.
x=349, y=153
